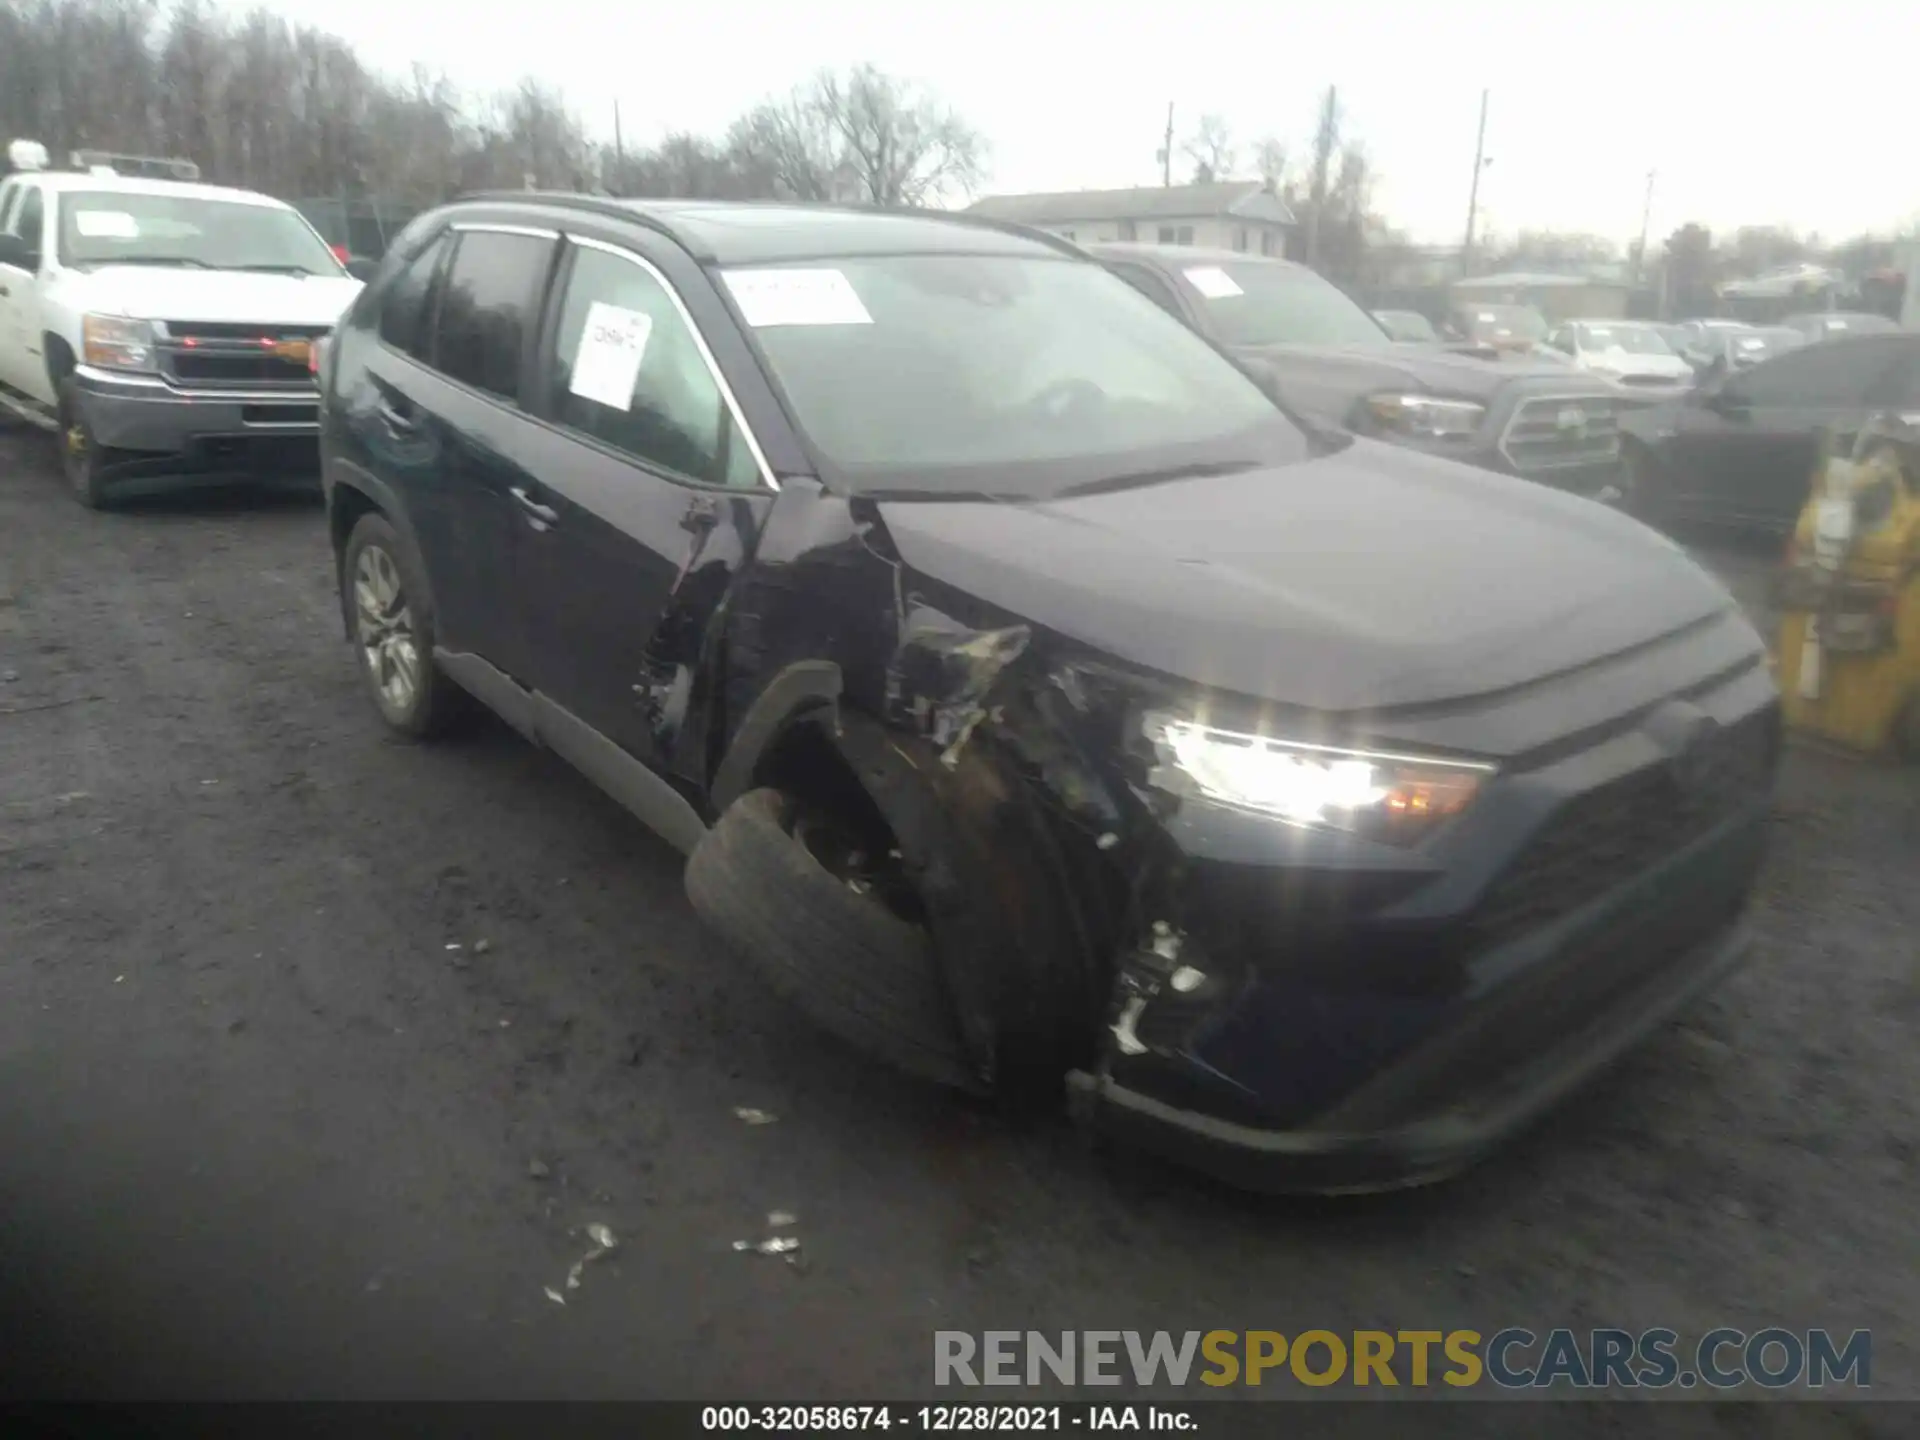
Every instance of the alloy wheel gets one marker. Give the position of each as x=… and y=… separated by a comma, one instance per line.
x=383, y=623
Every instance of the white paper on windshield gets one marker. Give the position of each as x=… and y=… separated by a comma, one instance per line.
x=612, y=345
x=1213, y=282
x=796, y=297
x=1752, y=344
x=106, y=225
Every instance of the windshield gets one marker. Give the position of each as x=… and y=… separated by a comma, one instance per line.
x=1633, y=339
x=139, y=228
x=1003, y=376
x=1748, y=346
x=1248, y=303
x=1503, y=322
x=1406, y=325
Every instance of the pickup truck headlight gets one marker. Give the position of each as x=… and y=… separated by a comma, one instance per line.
x=1385, y=796
x=1427, y=416
x=113, y=342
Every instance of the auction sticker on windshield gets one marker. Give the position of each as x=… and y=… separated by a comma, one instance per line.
x=1213, y=282
x=796, y=297
x=612, y=345
x=106, y=225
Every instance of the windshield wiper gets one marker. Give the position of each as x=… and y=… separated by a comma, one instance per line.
x=187, y=260
x=1156, y=477
x=275, y=269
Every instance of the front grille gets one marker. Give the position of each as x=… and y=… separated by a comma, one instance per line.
x=236, y=356
x=1551, y=431
x=1603, y=838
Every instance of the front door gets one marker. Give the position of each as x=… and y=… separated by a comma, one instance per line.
x=647, y=497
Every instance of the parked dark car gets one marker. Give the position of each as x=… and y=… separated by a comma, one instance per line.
x=1327, y=358
x=1035, y=699
x=1834, y=324
x=1409, y=327
x=1741, y=449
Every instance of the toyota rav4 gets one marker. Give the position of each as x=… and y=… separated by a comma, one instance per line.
x=1040, y=705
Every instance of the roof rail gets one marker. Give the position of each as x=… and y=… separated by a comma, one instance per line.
x=149, y=167
x=592, y=204
x=634, y=209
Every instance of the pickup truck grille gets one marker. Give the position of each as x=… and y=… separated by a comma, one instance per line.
x=205, y=354
x=1603, y=838
x=1547, y=432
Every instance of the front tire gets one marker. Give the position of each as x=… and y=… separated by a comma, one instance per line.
x=82, y=458
x=392, y=628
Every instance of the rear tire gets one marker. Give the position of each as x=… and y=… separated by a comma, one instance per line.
x=383, y=595
x=840, y=956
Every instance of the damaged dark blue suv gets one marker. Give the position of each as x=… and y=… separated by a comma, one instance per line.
x=1041, y=705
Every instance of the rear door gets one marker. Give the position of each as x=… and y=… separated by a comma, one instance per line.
x=648, y=493
x=448, y=421
x=1753, y=458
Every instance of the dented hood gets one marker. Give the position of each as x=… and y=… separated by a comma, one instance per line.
x=1370, y=578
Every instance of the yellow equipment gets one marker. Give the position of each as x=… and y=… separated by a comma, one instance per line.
x=1849, y=656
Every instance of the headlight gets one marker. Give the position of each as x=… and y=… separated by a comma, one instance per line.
x=1426, y=415
x=115, y=343
x=1385, y=796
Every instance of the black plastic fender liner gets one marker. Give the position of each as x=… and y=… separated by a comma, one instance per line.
x=838, y=956
x=804, y=685
x=1025, y=994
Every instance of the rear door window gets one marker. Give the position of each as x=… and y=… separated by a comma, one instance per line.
x=628, y=370
x=407, y=310
x=487, y=308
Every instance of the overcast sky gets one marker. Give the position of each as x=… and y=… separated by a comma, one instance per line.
x=1753, y=113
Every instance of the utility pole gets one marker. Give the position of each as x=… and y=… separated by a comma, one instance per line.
x=1646, y=219
x=1473, y=195
x=1166, y=151
x=1326, y=138
x=619, y=150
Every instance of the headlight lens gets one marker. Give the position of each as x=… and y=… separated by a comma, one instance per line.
x=1384, y=796
x=114, y=342
x=1426, y=416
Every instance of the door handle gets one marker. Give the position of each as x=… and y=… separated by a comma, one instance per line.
x=395, y=421
x=4, y=292
x=541, y=515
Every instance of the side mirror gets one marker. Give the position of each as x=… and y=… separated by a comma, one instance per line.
x=14, y=252
x=361, y=269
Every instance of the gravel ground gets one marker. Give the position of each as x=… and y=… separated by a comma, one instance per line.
x=270, y=1133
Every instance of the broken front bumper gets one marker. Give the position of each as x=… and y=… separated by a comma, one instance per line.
x=163, y=428
x=1409, y=1024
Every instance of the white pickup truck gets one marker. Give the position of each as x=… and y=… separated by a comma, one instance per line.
x=162, y=328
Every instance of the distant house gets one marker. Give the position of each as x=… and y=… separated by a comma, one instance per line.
x=1241, y=215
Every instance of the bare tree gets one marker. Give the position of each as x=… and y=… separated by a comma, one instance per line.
x=292, y=110
x=1210, y=147
x=899, y=146
x=792, y=143
x=1270, y=161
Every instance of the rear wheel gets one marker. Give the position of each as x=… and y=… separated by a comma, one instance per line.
x=393, y=631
